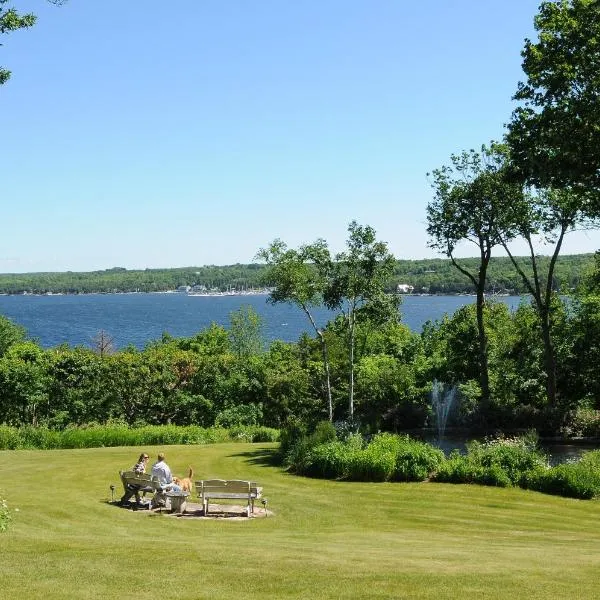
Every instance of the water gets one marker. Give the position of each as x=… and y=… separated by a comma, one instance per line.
x=557, y=452
x=442, y=400
x=140, y=318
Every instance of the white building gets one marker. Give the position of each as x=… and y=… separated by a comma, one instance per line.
x=405, y=288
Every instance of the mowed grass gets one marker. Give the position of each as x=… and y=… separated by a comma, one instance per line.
x=325, y=540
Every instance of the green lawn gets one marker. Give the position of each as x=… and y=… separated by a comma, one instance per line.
x=325, y=540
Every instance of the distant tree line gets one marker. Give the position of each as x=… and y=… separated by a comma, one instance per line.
x=433, y=276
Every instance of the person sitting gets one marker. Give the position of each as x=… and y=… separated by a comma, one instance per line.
x=140, y=465
x=161, y=471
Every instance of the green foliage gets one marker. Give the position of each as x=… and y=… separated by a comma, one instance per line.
x=292, y=440
x=416, y=461
x=245, y=332
x=11, y=20
x=435, y=276
x=386, y=457
x=502, y=462
x=572, y=480
x=240, y=414
x=296, y=444
x=554, y=134
x=99, y=436
x=10, y=334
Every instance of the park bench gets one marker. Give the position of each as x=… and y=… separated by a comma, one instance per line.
x=233, y=489
x=135, y=483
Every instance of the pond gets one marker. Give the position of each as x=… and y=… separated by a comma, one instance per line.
x=558, y=451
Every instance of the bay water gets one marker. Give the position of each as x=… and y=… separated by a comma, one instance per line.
x=136, y=319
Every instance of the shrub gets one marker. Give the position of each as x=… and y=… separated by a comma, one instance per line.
x=377, y=462
x=330, y=461
x=572, y=480
x=500, y=462
x=515, y=457
x=387, y=457
x=416, y=461
x=291, y=442
x=458, y=469
x=585, y=422
x=296, y=444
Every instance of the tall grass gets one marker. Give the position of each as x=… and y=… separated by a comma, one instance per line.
x=99, y=436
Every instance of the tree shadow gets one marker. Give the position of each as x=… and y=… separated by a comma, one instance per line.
x=265, y=457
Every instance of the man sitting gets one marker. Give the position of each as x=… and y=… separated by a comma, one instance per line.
x=161, y=470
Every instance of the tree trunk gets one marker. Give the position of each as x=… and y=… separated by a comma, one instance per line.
x=351, y=393
x=327, y=373
x=549, y=358
x=484, y=376
x=319, y=332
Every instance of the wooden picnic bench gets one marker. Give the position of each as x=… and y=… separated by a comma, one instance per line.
x=134, y=483
x=232, y=489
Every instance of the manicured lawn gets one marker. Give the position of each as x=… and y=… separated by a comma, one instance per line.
x=325, y=540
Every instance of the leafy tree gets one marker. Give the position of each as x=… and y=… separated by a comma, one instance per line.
x=245, y=332
x=300, y=278
x=554, y=134
x=359, y=279
x=10, y=334
x=472, y=197
x=546, y=215
x=24, y=384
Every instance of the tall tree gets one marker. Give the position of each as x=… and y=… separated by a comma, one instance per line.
x=545, y=216
x=554, y=134
x=470, y=205
x=359, y=279
x=300, y=278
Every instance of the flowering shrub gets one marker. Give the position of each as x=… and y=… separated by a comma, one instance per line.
x=501, y=462
x=5, y=515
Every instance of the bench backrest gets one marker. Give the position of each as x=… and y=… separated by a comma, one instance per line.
x=138, y=479
x=228, y=486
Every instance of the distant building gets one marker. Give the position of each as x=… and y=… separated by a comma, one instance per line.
x=405, y=288
x=184, y=289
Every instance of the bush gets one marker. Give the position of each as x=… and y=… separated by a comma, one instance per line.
x=585, y=422
x=291, y=442
x=330, y=461
x=296, y=444
x=387, y=457
x=377, y=462
x=572, y=480
x=417, y=461
x=501, y=462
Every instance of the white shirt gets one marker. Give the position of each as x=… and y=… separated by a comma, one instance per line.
x=162, y=471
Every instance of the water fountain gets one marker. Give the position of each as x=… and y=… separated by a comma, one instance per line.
x=442, y=399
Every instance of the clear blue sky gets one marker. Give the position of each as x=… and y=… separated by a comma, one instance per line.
x=166, y=134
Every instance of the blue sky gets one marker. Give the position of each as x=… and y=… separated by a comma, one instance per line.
x=152, y=134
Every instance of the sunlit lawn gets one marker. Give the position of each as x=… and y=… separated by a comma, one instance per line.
x=324, y=540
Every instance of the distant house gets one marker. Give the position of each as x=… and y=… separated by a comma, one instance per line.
x=405, y=288
x=183, y=289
